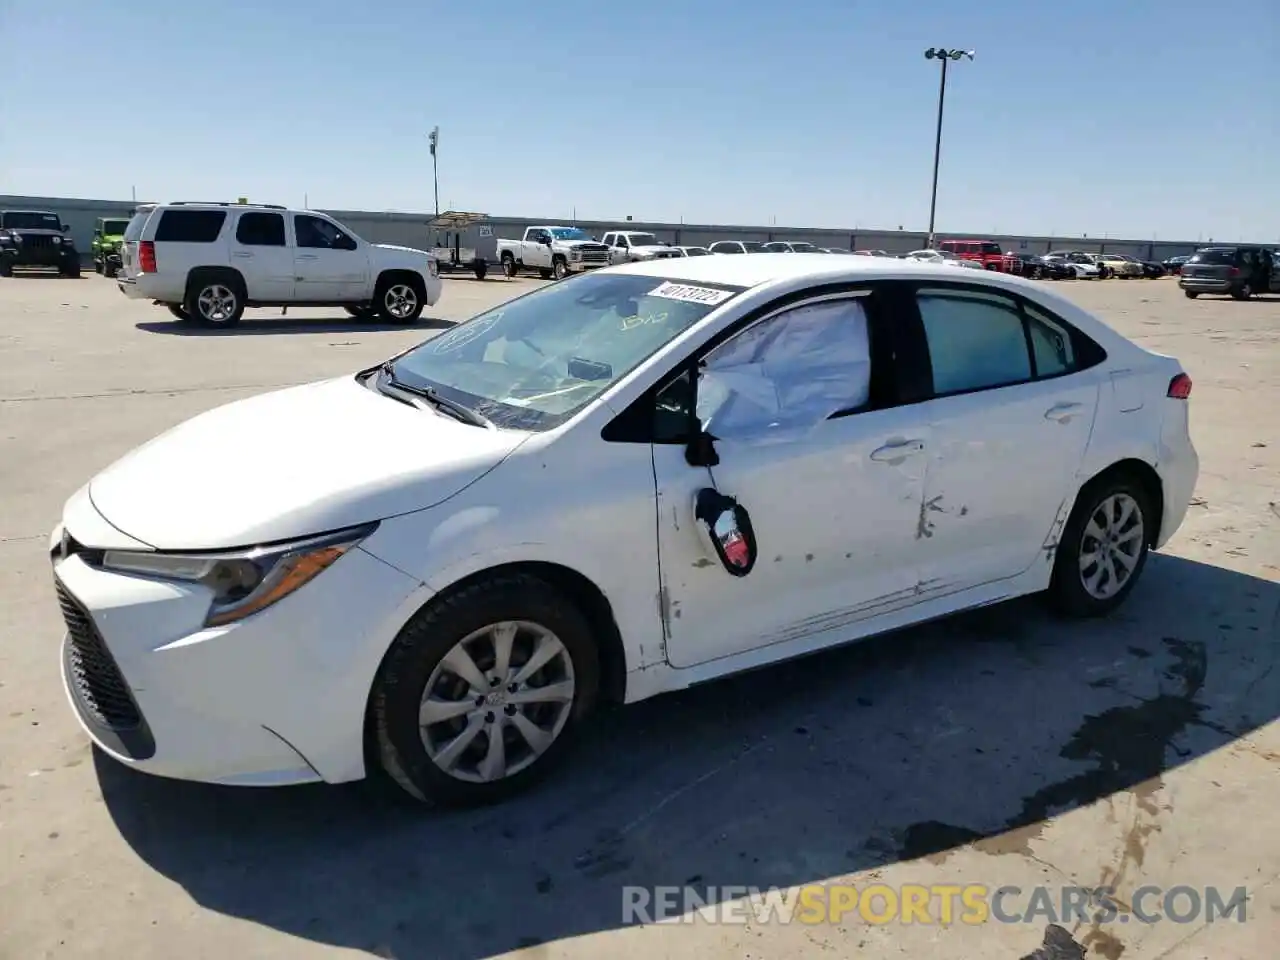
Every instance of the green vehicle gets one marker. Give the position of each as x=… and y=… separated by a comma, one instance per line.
x=108, y=233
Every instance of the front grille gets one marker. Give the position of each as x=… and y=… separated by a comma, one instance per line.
x=39, y=241
x=92, y=670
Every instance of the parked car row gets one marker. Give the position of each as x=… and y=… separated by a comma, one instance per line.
x=36, y=238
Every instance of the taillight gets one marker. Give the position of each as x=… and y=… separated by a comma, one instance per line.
x=1180, y=387
x=147, y=256
x=1233, y=272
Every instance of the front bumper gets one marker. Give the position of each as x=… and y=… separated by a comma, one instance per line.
x=276, y=698
x=578, y=266
x=33, y=256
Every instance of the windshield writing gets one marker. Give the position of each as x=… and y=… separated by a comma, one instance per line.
x=534, y=362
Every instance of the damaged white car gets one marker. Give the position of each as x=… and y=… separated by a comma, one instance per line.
x=636, y=480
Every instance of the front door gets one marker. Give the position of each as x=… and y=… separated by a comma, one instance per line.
x=329, y=265
x=831, y=488
x=260, y=252
x=1010, y=420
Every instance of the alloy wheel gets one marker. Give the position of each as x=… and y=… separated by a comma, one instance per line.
x=1111, y=546
x=497, y=701
x=217, y=303
x=400, y=300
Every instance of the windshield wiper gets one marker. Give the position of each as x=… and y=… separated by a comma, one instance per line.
x=457, y=410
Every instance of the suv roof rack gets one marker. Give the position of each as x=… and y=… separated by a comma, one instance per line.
x=223, y=203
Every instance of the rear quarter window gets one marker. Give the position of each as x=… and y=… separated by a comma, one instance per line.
x=190, y=226
x=133, y=232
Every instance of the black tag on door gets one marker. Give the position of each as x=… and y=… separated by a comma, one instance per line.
x=728, y=527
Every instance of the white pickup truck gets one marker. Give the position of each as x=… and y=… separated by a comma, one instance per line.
x=552, y=252
x=628, y=246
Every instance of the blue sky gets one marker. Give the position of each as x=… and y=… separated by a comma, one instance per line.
x=1133, y=118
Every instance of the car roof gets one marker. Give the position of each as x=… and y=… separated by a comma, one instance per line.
x=762, y=268
x=43, y=213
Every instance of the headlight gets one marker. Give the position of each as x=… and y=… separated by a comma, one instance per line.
x=243, y=581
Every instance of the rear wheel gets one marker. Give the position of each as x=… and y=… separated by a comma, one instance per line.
x=215, y=300
x=1190, y=294
x=481, y=692
x=1103, y=548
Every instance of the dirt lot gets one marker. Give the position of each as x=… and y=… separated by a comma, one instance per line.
x=998, y=748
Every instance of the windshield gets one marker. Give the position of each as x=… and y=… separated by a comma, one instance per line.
x=803, y=248
x=1226, y=257
x=643, y=240
x=534, y=362
x=990, y=247
x=696, y=252
x=569, y=233
x=751, y=246
x=21, y=220
x=114, y=228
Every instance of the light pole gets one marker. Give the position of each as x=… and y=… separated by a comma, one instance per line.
x=434, y=137
x=942, y=54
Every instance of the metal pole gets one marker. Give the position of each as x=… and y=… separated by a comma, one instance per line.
x=937, y=151
x=435, y=177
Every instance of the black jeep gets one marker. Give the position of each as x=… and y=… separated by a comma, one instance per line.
x=36, y=238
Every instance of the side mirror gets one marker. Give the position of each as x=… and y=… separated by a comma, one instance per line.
x=546, y=241
x=65, y=227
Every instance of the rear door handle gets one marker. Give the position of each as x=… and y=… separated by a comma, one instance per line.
x=894, y=453
x=243, y=254
x=1063, y=412
x=307, y=256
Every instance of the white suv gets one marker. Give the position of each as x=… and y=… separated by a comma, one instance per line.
x=208, y=261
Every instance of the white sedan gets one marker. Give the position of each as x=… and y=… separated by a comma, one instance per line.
x=612, y=487
x=942, y=257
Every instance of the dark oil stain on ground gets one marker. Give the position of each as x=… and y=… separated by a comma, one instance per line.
x=1127, y=745
x=1058, y=944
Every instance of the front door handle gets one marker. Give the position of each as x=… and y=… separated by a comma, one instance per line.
x=308, y=256
x=1063, y=412
x=243, y=254
x=894, y=453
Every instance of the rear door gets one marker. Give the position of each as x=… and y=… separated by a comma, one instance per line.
x=260, y=251
x=1015, y=390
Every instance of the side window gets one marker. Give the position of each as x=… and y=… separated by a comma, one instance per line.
x=190, y=226
x=316, y=233
x=1050, y=344
x=608, y=240
x=623, y=241
x=260, y=230
x=975, y=340
x=790, y=371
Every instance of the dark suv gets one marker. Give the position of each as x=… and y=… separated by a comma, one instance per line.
x=36, y=238
x=1238, y=271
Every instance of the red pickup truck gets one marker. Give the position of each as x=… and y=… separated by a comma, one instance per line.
x=985, y=252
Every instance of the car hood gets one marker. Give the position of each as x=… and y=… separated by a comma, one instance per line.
x=33, y=231
x=292, y=463
x=399, y=249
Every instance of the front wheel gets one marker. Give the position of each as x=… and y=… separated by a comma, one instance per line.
x=560, y=269
x=1242, y=292
x=1190, y=294
x=1103, y=548
x=482, y=270
x=509, y=267
x=99, y=266
x=401, y=301
x=480, y=694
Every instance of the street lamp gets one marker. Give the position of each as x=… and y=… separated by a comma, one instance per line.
x=943, y=55
x=434, y=137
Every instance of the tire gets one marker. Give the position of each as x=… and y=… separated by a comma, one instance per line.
x=508, y=266
x=359, y=313
x=179, y=312
x=416, y=665
x=400, y=299
x=545, y=274
x=99, y=266
x=6, y=269
x=214, y=300
x=70, y=271
x=482, y=270
x=1242, y=292
x=1078, y=589
x=560, y=268
x=1190, y=294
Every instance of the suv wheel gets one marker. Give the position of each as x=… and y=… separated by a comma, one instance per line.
x=216, y=301
x=1243, y=292
x=99, y=266
x=401, y=300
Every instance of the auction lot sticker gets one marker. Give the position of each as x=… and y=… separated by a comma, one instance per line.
x=691, y=294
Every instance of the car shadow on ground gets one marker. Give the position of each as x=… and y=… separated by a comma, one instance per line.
x=973, y=729
x=278, y=324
